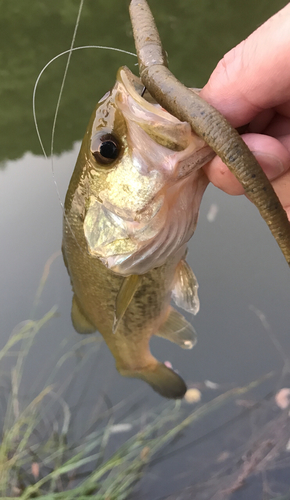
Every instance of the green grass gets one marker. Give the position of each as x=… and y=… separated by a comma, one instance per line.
x=111, y=478
x=47, y=465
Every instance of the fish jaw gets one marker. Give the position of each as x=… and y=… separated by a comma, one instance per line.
x=152, y=192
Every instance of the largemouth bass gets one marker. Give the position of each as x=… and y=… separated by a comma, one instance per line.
x=131, y=207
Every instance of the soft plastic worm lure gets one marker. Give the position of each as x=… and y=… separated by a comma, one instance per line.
x=207, y=122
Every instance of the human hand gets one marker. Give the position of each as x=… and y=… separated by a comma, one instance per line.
x=251, y=85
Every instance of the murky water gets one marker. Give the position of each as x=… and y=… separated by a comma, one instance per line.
x=241, y=273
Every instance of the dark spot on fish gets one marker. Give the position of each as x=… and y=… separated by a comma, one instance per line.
x=253, y=176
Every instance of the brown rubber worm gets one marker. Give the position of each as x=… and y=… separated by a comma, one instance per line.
x=207, y=122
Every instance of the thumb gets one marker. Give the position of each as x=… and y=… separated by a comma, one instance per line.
x=255, y=75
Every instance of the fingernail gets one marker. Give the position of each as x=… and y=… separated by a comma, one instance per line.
x=272, y=165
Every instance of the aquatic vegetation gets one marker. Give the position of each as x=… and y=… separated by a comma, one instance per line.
x=48, y=465
x=38, y=455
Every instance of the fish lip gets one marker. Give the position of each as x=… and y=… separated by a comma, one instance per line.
x=202, y=157
x=170, y=130
x=189, y=151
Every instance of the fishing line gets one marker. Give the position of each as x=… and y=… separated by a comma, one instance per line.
x=69, y=52
x=47, y=65
x=60, y=96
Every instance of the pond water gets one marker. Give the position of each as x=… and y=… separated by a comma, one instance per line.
x=244, y=281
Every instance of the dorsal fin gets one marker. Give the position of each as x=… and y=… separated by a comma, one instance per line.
x=178, y=330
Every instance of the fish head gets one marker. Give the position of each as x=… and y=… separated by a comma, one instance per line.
x=141, y=179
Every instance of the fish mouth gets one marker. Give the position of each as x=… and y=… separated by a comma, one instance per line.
x=161, y=126
x=154, y=129
x=147, y=207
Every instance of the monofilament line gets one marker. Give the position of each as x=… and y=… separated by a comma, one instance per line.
x=69, y=52
x=48, y=64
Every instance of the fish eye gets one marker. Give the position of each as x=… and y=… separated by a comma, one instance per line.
x=105, y=148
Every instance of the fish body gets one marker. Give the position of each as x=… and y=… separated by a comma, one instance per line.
x=131, y=206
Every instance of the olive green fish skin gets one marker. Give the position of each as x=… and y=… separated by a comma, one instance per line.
x=207, y=122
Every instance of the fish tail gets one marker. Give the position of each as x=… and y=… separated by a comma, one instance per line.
x=161, y=378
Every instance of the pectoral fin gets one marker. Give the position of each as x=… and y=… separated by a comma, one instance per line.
x=79, y=321
x=162, y=379
x=124, y=298
x=185, y=288
x=178, y=330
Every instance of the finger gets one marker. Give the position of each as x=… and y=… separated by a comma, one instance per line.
x=273, y=157
x=284, y=108
x=279, y=126
x=282, y=188
x=261, y=122
x=253, y=76
x=220, y=176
